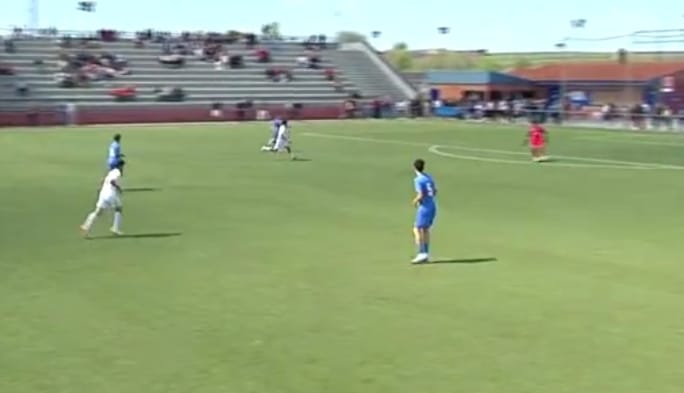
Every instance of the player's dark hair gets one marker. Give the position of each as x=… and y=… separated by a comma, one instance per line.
x=419, y=165
x=120, y=164
x=117, y=137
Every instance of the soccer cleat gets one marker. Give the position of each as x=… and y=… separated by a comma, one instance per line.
x=420, y=258
x=115, y=231
x=84, y=231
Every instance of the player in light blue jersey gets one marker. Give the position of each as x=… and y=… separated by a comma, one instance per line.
x=277, y=122
x=426, y=210
x=115, y=155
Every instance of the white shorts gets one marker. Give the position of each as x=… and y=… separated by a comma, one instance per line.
x=109, y=202
x=280, y=144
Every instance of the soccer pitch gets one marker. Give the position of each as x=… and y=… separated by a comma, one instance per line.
x=246, y=273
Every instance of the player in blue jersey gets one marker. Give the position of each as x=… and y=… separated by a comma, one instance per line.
x=277, y=122
x=115, y=155
x=426, y=210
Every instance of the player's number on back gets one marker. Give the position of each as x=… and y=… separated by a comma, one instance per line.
x=429, y=189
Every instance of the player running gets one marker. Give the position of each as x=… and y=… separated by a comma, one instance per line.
x=425, y=212
x=274, y=135
x=283, y=140
x=109, y=198
x=115, y=154
x=537, y=137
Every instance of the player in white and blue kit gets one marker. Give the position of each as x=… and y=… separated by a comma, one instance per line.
x=426, y=210
x=115, y=155
x=277, y=122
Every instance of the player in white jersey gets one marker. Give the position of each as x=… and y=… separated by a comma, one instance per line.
x=109, y=198
x=283, y=140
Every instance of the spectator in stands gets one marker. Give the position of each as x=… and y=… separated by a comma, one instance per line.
x=170, y=94
x=173, y=61
x=21, y=88
x=314, y=61
x=10, y=46
x=126, y=93
x=303, y=61
x=65, y=80
x=250, y=40
x=263, y=55
x=236, y=61
x=6, y=69
x=221, y=61
x=330, y=74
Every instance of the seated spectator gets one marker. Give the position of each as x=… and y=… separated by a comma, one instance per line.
x=170, y=94
x=221, y=61
x=10, y=46
x=174, y=61
x=330, y=74
x=279, y=75
x=263, y=56
x=302, y=61
x=6, y=69
x=22, y=89
x=314, y=61
x=123, y=94
x=65, y=80
x=272, y=73
x=236, y=61
x=250, y=40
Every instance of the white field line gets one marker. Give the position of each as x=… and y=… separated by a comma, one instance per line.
x=622, y=164
x=628, y=141
x=436, y=150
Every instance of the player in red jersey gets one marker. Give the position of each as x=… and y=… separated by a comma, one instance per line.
x=537, y=139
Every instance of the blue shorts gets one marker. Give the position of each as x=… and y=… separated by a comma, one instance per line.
x=111, y=165
x=425, y=217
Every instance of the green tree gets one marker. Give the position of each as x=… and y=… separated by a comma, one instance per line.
x=488, y=63
x=400, y=46
x=522, y=62
x=401, y=59
x=271, y=30
x=350, y=36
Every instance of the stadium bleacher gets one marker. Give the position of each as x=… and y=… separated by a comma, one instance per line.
x=35, y=63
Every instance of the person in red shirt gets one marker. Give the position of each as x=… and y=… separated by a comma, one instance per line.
x=537, y=137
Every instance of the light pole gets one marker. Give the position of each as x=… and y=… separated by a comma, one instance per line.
x=561, y=46
x=375, y=35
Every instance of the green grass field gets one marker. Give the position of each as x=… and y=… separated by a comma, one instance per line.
x=244, y=273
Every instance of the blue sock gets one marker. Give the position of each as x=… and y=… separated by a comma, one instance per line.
x=426, y=248
x=422, y=248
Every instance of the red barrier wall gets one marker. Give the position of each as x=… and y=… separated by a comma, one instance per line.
x=52, y=116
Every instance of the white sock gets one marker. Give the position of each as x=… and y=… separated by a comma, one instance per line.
x=89, y=220
x=117, y=221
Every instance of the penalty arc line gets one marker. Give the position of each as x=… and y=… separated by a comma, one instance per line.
x=597, y=162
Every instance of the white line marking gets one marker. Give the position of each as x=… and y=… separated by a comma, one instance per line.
x=598, y=161
x=436, y=150
x=630, y=141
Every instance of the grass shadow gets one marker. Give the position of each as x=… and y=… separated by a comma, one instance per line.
x=152, y=235
x=142, y=189
x=463, y=261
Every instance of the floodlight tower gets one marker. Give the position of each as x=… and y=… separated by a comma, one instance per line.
x=33, y=15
